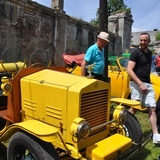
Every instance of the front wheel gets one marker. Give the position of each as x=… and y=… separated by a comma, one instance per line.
x=23, y=147
x=131, y=128
x=3, y=151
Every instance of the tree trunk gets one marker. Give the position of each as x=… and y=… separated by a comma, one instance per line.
x=103, y=26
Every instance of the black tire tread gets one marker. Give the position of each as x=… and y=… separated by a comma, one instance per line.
x=134, y=128
x=40, y=149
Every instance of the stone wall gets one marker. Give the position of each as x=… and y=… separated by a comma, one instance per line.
x=29, y=26
x=24, y=25
x=120, y=25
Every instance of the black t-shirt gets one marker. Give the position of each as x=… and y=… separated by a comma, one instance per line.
x=143, y=64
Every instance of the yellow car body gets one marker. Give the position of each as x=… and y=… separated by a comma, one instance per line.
x=50, y=114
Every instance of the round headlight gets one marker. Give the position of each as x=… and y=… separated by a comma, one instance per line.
x=124, y=115
x=83, y=130
x=120, y=114
x=80, y=128
x=7, y=87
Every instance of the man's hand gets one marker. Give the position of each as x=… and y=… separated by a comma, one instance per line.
x=143, y=88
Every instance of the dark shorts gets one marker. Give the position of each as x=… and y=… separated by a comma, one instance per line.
x=98, y=76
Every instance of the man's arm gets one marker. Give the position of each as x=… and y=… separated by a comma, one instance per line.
x=83, y=67
x=131, y=73
x=134, y=77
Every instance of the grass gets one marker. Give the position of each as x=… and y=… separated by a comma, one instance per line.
x=150, y=151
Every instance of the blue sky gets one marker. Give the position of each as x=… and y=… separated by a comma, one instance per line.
x=146, y=13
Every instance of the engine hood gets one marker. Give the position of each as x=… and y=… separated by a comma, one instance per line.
x=60, y=79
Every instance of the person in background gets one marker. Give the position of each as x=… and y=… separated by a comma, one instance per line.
x=153, y=63
x=139, y=67
x=158, y=61
x=95, y=55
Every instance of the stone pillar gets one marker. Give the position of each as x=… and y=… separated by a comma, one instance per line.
x=57, y=4
x=113, y=24
x=121, y=25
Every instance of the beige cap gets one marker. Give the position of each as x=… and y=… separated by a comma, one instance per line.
x=104, y=35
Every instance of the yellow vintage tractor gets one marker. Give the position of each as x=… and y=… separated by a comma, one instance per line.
x=50, y=114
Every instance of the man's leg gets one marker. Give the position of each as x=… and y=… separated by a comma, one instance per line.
x=153, y=122
x=132, y=110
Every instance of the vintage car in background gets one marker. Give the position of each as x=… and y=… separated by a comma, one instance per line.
x=50, y=114
x=119, y=80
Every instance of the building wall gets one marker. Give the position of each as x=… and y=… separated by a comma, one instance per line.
x=24, y=25
x=154, y=45
x=29, y=27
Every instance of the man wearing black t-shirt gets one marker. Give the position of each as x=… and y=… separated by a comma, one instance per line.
x=138, y=69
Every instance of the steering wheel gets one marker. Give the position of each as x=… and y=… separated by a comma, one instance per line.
x=12, y=60
x=40, y=58
x=35, y=65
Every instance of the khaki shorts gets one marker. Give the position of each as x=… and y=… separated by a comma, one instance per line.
x=148, y=99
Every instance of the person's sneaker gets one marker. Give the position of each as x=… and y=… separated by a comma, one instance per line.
x=156, y=138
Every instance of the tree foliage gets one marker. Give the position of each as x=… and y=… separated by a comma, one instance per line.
x=158, y=36
x=113, y=6
x=117, y=5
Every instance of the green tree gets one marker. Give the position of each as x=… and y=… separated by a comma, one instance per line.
x=112, y=6
x=117, y=5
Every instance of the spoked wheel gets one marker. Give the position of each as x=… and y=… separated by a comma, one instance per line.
x=26, y=147
x=12, y=54
x=34, y=65
x=22, y=153
x=12, y=60
x=131, y=128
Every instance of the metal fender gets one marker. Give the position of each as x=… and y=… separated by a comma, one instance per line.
x=128, y=102
x=123, y=101
x=36, y=128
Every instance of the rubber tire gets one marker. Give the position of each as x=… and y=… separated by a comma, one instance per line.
x=133, y=128
x=40, y=150
x=130, y=128
x=3, y=152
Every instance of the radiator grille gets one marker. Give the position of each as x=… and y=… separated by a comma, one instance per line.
x=94, y=107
